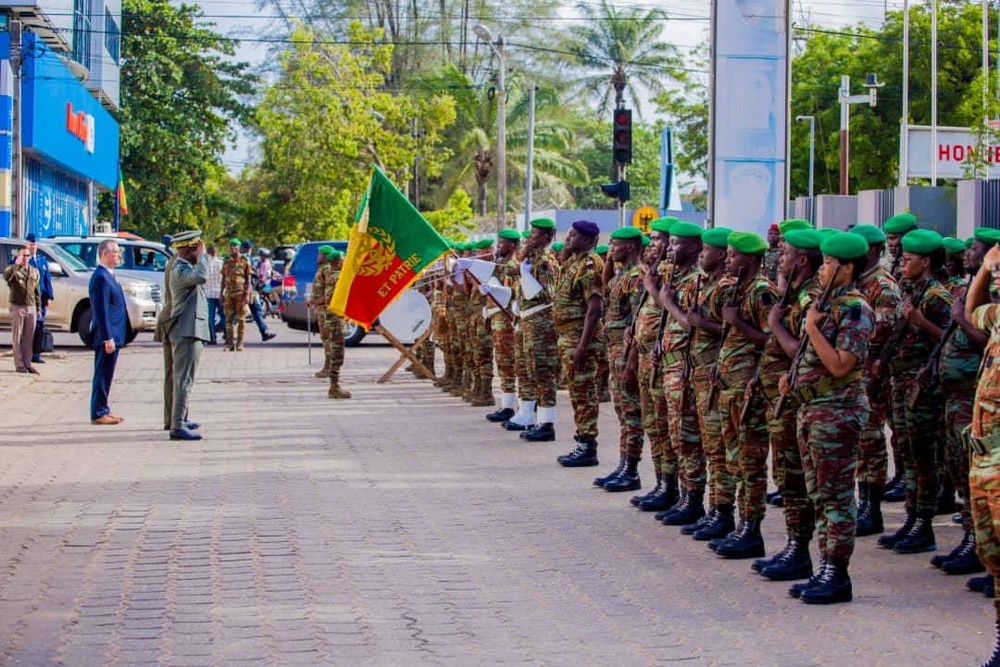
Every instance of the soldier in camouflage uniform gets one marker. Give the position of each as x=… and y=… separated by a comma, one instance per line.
x=800, y=260
x=746, y=441
x=926, y=309
x=984, y=432
x=481, y=339
x=315, y=300
x=623, y=280
x=505, y=274
x=882, y=293
x=833, y=408
x=772, y=258
x=642, y=367
x=235, y=294
x=603, y=362
x=539, y=272
x=459, y=307
x=705, y=319
x=333, y=337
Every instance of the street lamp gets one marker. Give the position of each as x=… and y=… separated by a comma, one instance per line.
x=483, y=33
x=812, y=155
x=846, y=100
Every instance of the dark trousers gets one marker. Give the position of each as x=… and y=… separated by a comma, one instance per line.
x=39, y=337
x=104, y=374
x=258, y=317
x=216, y=318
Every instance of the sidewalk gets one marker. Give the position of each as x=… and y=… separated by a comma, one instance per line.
x=395, y=528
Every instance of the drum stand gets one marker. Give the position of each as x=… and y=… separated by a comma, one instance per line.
x=406, y=353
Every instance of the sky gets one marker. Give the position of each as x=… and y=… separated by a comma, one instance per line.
x=687, y=28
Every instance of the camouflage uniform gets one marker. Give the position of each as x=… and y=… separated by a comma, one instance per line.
x=579, y=281
x=323, y=287
x=481, y=348
x=831, y=417
x=652, y=399
x=746, y=443
x=459, y=306
x=502, y=328
x=772, y=260
x=235, y=289
x=623, y=296
x=541, y=354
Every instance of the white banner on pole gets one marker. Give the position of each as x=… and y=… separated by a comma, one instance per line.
x=956, y=150
x=748, y=185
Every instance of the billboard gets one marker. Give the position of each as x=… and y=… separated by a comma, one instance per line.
x=956, y=149
x=749, y=113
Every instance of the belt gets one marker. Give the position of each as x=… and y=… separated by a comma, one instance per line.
x=825, y=386
x=534, y=310
x=705, y=357
x=981, y=446
x=736, y=379
x=897, y=367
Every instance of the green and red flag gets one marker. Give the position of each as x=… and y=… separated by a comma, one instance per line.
x=389, y=245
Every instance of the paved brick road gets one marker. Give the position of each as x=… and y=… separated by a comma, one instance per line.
x=397, y=528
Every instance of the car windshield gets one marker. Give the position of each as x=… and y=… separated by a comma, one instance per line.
x=65, y=258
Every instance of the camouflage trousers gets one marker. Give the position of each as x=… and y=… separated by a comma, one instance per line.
x=957, y=415
x=683, y=429
x=482, y=347
x=653, y=403
x=542, y=360
x=746, y=451
x=503, y=346
x=721, y=485
x=235, y=311
x=984, y=497
x=921, y=430
x=625, y=398
x=786, y=463
x=520, y=363
x=582, y=380
x=333, y=344
x=896, y=418
x=829, y=439
x=603, y=372
x=446, y=337
x=873, y=459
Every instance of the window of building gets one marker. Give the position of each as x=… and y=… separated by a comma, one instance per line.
x=112, y=37
x=81, y=31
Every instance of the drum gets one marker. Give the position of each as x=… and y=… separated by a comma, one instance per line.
x=408, y=317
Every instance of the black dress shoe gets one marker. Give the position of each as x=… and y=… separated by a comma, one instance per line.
x=184, y=434
x=267, y=335
x=191, y=426
x=37, y=360
x=501, y=415
x=514, y=426
x=541, y=433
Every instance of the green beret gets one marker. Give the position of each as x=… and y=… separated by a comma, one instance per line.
x=543, y=223
x=748, y=243
x=325, y=249
x=663, y=225
x=793, y=224
x=234, y=241
x=803, y=239
x=646, y=241
x=869, y=232
x=626, y=233
x=526, y=233
x=509, y=234
x=558, y=246
x=686, y=230
x=987, y=235
x=900, y=224
x=717, y=237
x=602, y=249
x=953, y=245
x=483, y=244
x=844, y=247
x=827, y=232
x=336, y=254
x=922, y=241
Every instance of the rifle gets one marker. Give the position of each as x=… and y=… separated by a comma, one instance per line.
x=754, y=386
x=734, y=299
x=876, y=385
x=688, y=361
x=928, y=375
x=793, y=373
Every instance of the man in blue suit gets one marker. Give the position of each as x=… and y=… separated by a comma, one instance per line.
x=108, y=324
x=40, y=262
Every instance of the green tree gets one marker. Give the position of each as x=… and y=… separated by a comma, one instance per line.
x=180, y=98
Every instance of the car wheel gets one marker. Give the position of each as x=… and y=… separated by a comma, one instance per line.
x=83, y=326
x=353, y=334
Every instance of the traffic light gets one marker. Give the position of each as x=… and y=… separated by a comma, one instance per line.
x=620, y=191
x=621, y=139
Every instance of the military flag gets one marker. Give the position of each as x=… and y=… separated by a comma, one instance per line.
x=389, y=245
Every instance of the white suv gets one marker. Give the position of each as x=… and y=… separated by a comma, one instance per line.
x=141, y=259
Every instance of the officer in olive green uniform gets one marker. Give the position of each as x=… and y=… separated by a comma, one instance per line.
x=235, y=294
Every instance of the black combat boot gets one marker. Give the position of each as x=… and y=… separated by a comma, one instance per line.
x=966, y=560
x=750, y=544
x=870, y=518
x=761, y=563
x=794, y=564
x=501, y=415
x=945, y=502
x=584, y=456
x=895, y=490
x=774, y=499
x=721, y=525
x=635, y=500
x=863, y=497
x=994, y=660
x=977, y=584
x=736, y=532
x=889, y=541
x=681, y=503
x=989, y=590
x=693, y=528
x=541, y=433
x=939, y=560
x=691, y=511
x=796, y=589
x=833, y=586
x=663, y=500
x=919, y=539
x=601, y=481
x=628, y=480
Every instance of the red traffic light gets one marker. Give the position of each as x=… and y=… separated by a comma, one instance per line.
x=621, y=138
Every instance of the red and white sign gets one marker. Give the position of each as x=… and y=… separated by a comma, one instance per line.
x=81, y=126
x=955, y=152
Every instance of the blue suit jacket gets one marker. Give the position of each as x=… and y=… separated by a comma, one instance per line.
x=107, y=304
x=40, y=262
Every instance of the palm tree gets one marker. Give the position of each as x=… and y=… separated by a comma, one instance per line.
x=621, y=47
